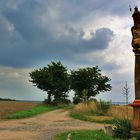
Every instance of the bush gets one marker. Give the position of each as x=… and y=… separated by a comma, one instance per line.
x=61, y=101
x=46, y=101
x=76, y=100
x=138, y=137
x=122, y=129
x=57, y=102
x=103, y=107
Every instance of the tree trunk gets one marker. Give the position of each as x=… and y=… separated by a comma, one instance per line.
x=88, y=95
x=49, y=97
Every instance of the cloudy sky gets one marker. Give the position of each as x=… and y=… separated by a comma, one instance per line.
x=79, y=33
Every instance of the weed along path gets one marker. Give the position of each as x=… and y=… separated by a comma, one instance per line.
x=43, y=127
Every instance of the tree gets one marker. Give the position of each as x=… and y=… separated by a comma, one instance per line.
x=89, y=79
x=53, y=79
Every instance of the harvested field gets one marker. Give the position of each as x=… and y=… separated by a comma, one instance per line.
x=120, y=112
x=7, y=107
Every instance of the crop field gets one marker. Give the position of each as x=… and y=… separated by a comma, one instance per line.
x=120, y=112
x=8, y=107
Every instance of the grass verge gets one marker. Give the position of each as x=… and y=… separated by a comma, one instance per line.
x=84, y=135
x=32, y=112
x=93, y=118
x=90, y=112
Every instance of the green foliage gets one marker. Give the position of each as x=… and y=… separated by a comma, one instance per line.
x=31, y=112
x=138, y=136
x=61, y=101
x=84, y=135
x=76, y=100
x=53, y=79
x=89, y=79
x=122, y=129
x=103, y=106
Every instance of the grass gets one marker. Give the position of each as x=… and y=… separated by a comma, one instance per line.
x=89, y=112
x=93, y=118
x=84, y=135
x=89, y=108
x=120, y=112
x=32, y=112
x=9, y=107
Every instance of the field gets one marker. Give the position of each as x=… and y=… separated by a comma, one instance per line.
x=55, y=122
x=8, y=107
x=120, y=112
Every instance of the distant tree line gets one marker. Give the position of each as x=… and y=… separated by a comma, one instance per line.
x=57, y=81
x=6, y=99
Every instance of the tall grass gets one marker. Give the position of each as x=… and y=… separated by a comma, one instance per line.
x=103, y=107
x=93, y=107
x=102, y=112
x=86, y=108
x=90, y=112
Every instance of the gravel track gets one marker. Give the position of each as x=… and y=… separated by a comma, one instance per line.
x=43, y=127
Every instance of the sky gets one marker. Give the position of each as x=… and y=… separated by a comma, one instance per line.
x=79, y=33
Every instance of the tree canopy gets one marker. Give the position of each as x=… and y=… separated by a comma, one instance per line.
x=53, y=79
x=89, y=79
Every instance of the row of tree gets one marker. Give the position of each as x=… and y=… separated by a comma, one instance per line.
x=57, y=81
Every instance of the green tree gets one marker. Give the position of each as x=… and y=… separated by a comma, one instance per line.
x=53, y=79
x=89, y=79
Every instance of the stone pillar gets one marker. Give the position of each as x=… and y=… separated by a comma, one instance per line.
x=137, y=75
x=136, y=103
x=136, y=116
x=136, y=48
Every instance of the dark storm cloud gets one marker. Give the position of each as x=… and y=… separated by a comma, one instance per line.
x=100, y=40
x=26, y=54
x=37, y=31
x=33, y=31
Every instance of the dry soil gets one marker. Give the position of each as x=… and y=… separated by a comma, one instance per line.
x=43, y=127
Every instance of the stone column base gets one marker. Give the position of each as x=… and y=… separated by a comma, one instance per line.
x=136, y=115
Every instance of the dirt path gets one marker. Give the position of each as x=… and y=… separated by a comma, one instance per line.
x=42, y=127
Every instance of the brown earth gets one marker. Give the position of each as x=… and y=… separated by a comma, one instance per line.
x=43, y=127
x=8, y=107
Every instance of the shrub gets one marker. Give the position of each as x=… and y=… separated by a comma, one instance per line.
x=122, y=129
x=61, y=101
x=136, y=136
x=56, y=102
x=46, y=101
x=103, y=107
x=76, y=100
